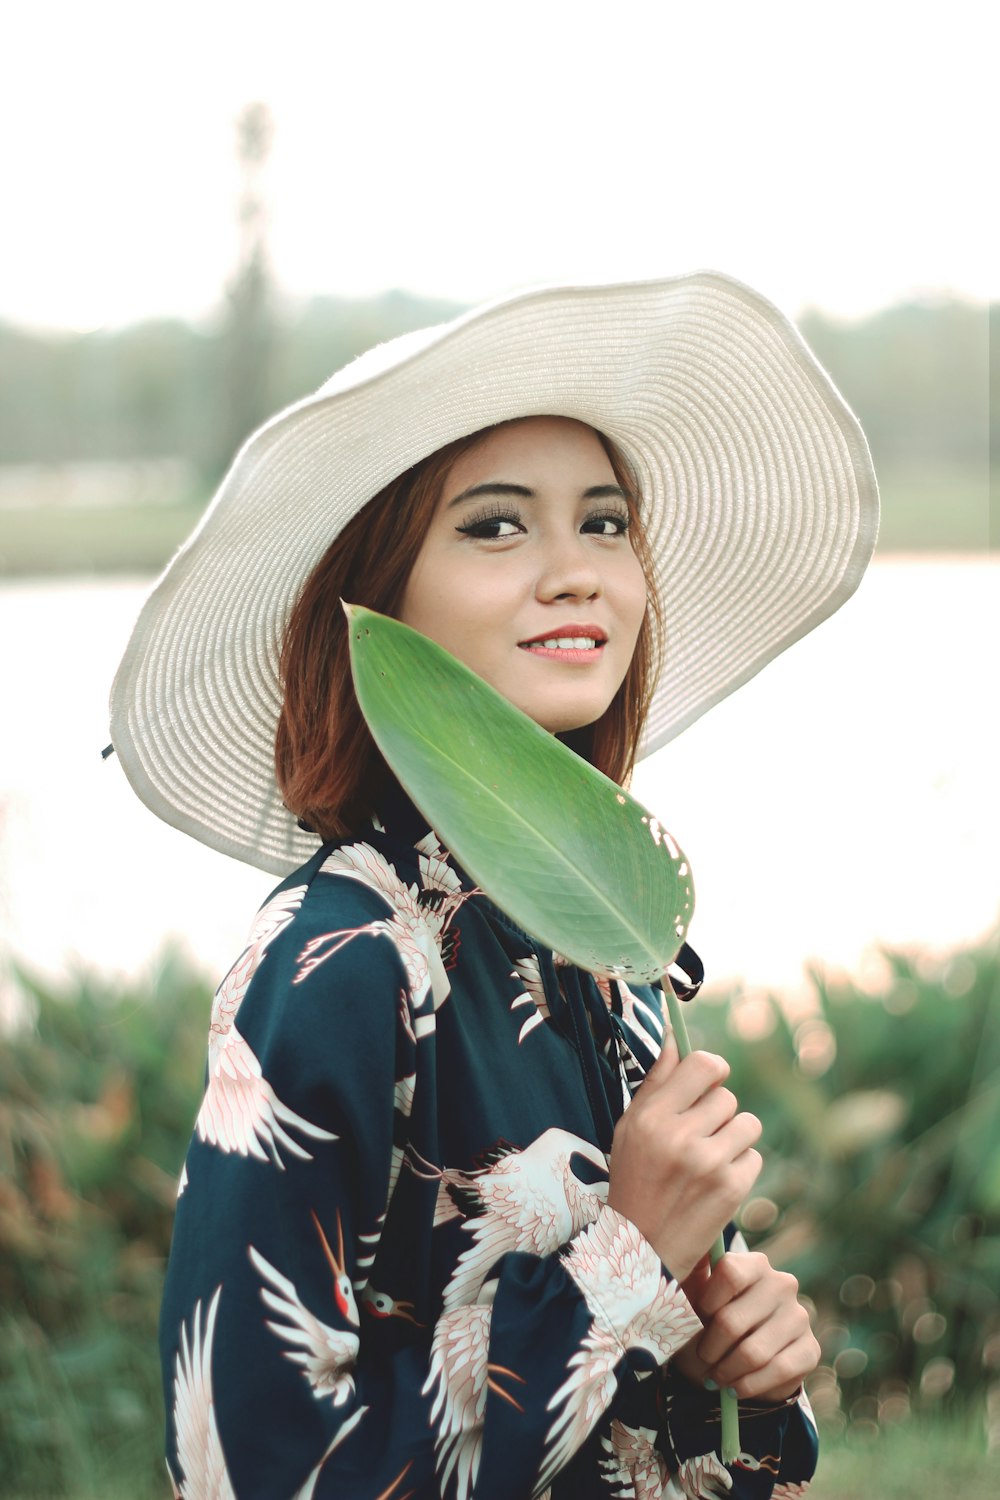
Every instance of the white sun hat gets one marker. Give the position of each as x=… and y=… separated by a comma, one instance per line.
x=759, y=500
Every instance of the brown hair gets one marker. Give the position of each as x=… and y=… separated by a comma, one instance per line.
x=328, y=767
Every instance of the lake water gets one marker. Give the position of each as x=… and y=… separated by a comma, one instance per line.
x=847, y=797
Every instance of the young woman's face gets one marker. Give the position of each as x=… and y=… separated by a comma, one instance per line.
x=527, y=573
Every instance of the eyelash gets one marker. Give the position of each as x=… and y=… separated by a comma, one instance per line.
x=475, y=525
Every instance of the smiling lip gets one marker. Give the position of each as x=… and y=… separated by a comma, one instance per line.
x=568, y=632
x=569, y=655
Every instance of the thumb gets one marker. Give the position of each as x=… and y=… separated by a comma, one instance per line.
x=695, y=1284
x=666, y=1061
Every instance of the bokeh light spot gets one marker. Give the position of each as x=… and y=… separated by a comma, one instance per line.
x=815, y=1047
x=850, y=1362
x=937, y=1379
x=901, y=998
x=857, y=1291
x=929, y=1327
x=758, y=1214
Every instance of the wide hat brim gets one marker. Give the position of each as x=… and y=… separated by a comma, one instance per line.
x=760, y=503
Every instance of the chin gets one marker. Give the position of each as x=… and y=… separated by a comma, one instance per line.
x=565, y=717
x=567, y=723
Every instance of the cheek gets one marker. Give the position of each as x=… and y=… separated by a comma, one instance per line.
x=423, y=588
x=438, y=600
x=635, y=595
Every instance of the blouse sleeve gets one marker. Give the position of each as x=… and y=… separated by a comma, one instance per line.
x=778, y=1439
x=778, y=1443
x=284, y=1189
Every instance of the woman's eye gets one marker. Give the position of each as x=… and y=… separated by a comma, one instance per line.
x=615, y=523
x=492, y=528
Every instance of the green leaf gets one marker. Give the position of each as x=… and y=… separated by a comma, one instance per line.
x=570, y=856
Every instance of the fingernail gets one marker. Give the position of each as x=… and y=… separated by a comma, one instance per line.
x=710, y=1385
x=730, y=1392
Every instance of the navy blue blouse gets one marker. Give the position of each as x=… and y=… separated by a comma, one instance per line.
x=394, y=1274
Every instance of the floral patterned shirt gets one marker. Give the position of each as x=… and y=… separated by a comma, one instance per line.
x=394, y=1274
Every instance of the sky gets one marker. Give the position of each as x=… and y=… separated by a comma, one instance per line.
x=831, y=156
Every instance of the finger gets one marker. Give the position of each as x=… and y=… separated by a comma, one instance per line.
x=712, y=1111
x=737, y=1273
x=692, y=1078
x=758, y=1350
x=746, y=1162
x=733, y=1143
x=687, y=1363
x=728, y=1325
x=695, y=1285
x=666, y=1060
x=782, y=1375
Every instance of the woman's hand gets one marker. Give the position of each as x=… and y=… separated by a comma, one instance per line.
x=757, y=1340
x=682, y=1158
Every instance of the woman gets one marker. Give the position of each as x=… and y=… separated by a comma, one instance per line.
x=422, y=1247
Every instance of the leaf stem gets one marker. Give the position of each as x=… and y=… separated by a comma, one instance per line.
x=729, y=1406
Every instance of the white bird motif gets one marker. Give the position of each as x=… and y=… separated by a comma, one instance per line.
x=635, y=1467
x=344, y=1431
x=528, y=1200
x=416, y=927
x=458, y=1369
x=240, y=1111
x=528, y=970
x=632, y=1008
x=633, y=1306
x=435, y=871
x=326, y=1355
x=382, y=1306
x=702, y=1478
x=199, y=1448
x=462, y=1372
x=403, y=1094
x=372, y=1241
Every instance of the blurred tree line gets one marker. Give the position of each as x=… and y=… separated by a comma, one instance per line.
x=168, y=388
x=85, y=418
x=916, y=374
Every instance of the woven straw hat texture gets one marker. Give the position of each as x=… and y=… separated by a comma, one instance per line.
x=759, y=496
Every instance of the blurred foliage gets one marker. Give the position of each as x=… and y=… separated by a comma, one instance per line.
x=167, y=387
x=917, y=374
x=881, y=1191
x=881, y=1186
x=96, y=1105
x=902, y=1462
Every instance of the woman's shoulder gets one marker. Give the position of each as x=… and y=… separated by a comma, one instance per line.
x=359, y=908
x=323, y=970
x=325, y=916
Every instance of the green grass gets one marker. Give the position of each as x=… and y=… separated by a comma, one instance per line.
x=905, y=1462
x=918, y=1457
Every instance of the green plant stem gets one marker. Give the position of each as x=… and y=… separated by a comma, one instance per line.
x=729, y=1407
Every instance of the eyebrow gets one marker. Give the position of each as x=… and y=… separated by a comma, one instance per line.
x=498, y=487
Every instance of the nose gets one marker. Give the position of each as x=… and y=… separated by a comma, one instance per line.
x=568, y=571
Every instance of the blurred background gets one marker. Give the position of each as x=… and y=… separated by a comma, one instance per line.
x=209, y=209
